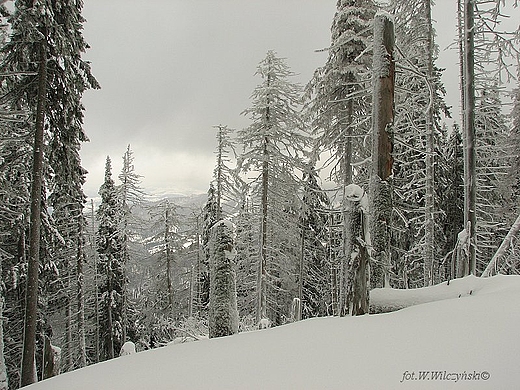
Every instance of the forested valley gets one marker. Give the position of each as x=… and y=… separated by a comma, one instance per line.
x=351, y=182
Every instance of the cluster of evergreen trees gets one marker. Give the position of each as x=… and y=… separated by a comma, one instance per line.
x=283, y=233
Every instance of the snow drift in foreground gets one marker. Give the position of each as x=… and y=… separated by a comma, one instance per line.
x=471, y=342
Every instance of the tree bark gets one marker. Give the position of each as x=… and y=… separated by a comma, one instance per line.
x=429, y=247
x=470, y=180
x=382, y=146
x=28, y=374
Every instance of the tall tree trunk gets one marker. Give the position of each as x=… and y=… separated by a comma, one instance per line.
x=69, y=339
x=4, y=384
x=382, y=145
x=219, y=172
x=470, y=179
x=80, y=299
x=261, y=312
x=28, y=374
x=333, y=271
x=429, y=247
x=110, y=320
x=96, y=284
x=347, y=179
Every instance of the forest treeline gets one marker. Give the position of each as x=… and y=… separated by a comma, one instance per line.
x=286, y=230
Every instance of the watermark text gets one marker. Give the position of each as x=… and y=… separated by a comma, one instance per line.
x=451, y=376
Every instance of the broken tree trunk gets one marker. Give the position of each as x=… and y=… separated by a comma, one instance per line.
x=382, y=146
x=501, y=252
x=356, y=242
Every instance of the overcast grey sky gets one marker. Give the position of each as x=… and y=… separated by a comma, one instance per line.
x=171, y=69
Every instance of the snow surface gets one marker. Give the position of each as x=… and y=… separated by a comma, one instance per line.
x=474, y=336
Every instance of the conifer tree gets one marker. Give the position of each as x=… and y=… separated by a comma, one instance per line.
x=339, y=102
x=45, y=53
x=485, y=55
x=419, y=107
x=514, y=171
x=210, y=213
x=130, y=195
x=109, y=245
x=273, y=146
x=314, y=276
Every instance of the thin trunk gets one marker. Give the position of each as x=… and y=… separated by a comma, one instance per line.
x=198, y=290
x=347, y=179
x=382, y=145
x=262, y=272
x=219, y=172
x=28, y=374
x=81, y=303
x=302, y=272
x=124, y=303
x=110, y=324
x=470, y=181
x=429, y=247
x=261, y=312
x=69, y=340
x=192, y=295
x=168, y=261
x=333, y=272
x=4, y=384
x=96, y=288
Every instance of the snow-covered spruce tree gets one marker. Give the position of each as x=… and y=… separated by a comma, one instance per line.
x=109, y=244
x=314, y=275
x=227, y=184
x=514, y=171
x=339, y=102
x=223, y=312
x=418, y=135
x=284, y=238
x=14, y=197
x=130, y=195
x=338, y=96
x=209, y=216
x=165, y=228
x=492, y=165
x=46, y=40
x=273, y=145
x=35, y=100
x=247, y=236
x=449, y=177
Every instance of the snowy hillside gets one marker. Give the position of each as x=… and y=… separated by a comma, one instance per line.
x=471, y=342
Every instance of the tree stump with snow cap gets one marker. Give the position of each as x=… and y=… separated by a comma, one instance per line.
x=357, y=244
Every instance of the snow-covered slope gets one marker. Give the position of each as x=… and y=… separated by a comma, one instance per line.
x=388, y=299
x=471, y=342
